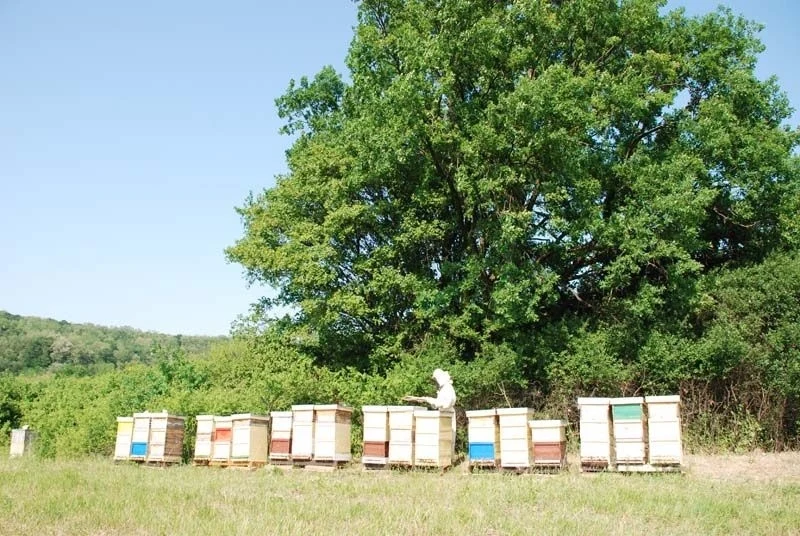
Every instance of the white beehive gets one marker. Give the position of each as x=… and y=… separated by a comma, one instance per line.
x=549, y=441
x=595, y=433
x=629, y=421
x=280, y=445
x=22, y=440
x=433, y=440
x=166, y=438
x=483, y=436
x=401, y=434
x=122, y=446
x=221, y=442
x=303, y=432
x=664, y=430
x=250, y=438
x=515, y=437
x=204, y=438
x=332, y=433
x=140, y=436
x=376, y=435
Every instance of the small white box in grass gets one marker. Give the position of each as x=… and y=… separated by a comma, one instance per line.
x=22, y=442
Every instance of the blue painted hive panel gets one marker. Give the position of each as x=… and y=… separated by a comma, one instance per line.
x=481, y=451
x=138, y=449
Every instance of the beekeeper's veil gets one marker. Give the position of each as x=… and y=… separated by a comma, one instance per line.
x=442, y=377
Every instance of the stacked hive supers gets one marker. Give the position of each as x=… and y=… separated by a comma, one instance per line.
x=664, y=430
x=122, y=447
x=433, y=441
x=483, y=436
x=630, y=437
x=250, y=439
x=595, y=434
x=549, y=443
x=302, y=432
x=515, y=437
x=332, y=424
x=221, y=440
x=280, y=445
x=376, y=436
x=204, y=439
x=401, y=434
x=157, y=437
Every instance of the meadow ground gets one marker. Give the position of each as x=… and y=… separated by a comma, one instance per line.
x=743, y=494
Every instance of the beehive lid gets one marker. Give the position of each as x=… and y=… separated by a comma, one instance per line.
x=124, y=419
x=303, y=407
x=332, y=407
x=223, y=420
x=204, y=418
x=402, y=409
x=541, y=423
x=594, y=401
x=374, y=409
x=627, y=400
x=434, y=414
x=514, y=411
x=482, y=413
x=249, y=416
x=666, y=399
x=141, y=415
x=274, y=414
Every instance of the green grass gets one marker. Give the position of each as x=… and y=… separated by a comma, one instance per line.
x=99, y=497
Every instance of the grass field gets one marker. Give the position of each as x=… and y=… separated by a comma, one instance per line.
x=755, y=494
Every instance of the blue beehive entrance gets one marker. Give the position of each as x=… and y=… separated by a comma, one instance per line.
x=138, y=449
x=481, y=451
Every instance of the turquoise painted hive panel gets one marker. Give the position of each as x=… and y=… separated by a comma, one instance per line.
x=627, y=411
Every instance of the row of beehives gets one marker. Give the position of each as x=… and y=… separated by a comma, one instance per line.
x=630, y=434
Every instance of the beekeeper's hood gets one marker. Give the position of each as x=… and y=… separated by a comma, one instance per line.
x=442, y=377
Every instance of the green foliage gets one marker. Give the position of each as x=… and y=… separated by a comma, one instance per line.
x=37, y=344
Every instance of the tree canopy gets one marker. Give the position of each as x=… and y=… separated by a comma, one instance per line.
x=502, y=174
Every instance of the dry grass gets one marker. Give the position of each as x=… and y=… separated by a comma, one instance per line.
x=99, y=497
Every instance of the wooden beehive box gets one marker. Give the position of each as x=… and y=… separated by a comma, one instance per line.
x=165, y=444
x=22, y=441
x=122, y=446
x=303, y=432
x=596, y=448
x=332, y=433
x=433, y=438
x=483, y=436
x=376, y=435
x=549, y=441
x=630, y=434
x=280, y=446
x=665, y=446
x=515, y=437
x=250, y=440
x=221, y=440
x=204, y=439
x=140, y=436
x=401, y=434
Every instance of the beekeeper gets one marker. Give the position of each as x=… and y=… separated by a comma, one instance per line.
x=445, y=398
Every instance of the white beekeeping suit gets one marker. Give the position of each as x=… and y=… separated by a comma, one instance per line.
x=445, y=399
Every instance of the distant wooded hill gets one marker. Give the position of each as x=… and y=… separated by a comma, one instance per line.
x=37, y=344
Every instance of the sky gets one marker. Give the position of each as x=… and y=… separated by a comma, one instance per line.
x=130, y=131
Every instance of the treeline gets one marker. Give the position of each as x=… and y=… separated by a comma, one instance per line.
x=39, y=344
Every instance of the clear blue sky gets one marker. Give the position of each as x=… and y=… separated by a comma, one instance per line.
x=129, y=131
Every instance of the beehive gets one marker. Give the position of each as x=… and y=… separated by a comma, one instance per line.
x=332, y=433
x=122, y=447
x=221, y=440
x=250, y=438
x=401, y=434
x=549, y=441
x=166, y=438
x=280, y=445
x=433, y=438
x=629, y=421
x=515, y=437
x=376, y=435
x=140, y=436
x=483, y=436
x=665, y=446
x=22, y=441
x=204, y=439
x=303, y=432
x=595, y=433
